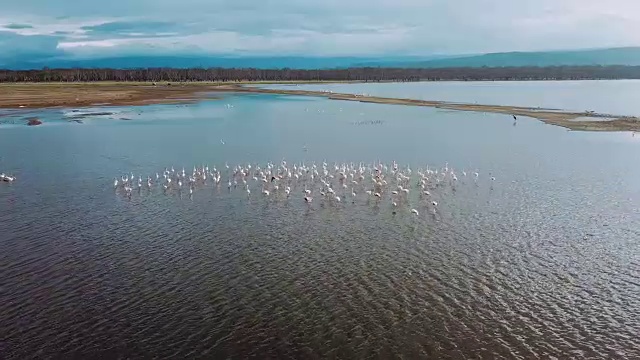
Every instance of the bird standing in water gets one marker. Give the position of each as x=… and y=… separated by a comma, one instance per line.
x=382, y=183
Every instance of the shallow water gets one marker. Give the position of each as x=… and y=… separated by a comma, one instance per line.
x=544, y=261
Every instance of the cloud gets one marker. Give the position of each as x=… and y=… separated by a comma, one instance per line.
x=24, y=49
x=18, y=26
x=328, y=27
x=44, y=26
x=136, y=29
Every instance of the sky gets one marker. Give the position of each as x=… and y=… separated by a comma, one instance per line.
x=41, y=29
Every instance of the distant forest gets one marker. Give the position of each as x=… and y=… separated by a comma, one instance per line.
x=369, y=74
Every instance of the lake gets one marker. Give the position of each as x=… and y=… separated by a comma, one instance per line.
x=542, y=261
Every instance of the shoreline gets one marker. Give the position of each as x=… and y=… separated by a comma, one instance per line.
x=76, y=95
x=26, y=96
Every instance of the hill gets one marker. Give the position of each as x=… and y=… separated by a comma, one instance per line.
x=604, y=57
x=187, y=62
x=629, y=56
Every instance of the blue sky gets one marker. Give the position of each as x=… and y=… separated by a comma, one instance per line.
x=89, y=28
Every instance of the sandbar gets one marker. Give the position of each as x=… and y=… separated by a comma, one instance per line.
x=75, y=95
x=582, y=121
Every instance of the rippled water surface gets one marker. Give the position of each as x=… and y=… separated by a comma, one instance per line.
x=544, y=261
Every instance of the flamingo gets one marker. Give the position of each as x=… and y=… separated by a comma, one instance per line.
x=7, y=178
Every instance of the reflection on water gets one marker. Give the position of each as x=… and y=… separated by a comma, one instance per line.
x=541, y=262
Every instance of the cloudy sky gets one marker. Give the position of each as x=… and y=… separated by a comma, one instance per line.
x=90, y=28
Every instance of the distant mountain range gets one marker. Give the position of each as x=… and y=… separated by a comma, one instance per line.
x=612, y=56
x=263, y=62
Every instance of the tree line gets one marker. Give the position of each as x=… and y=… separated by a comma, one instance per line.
x=369, y=74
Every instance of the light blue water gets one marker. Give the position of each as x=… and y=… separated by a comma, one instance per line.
x=543, y=261
x=617, y=97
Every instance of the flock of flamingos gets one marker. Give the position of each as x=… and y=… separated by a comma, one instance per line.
x=335, y=183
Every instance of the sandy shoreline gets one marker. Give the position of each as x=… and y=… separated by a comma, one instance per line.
x=36, y=96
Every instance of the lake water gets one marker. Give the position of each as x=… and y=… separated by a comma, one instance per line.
x=544, y=261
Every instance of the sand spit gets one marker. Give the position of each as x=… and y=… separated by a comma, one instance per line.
x=583, y=121
x=47, y=95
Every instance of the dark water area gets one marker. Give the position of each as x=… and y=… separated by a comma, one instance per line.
x=542, y=262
